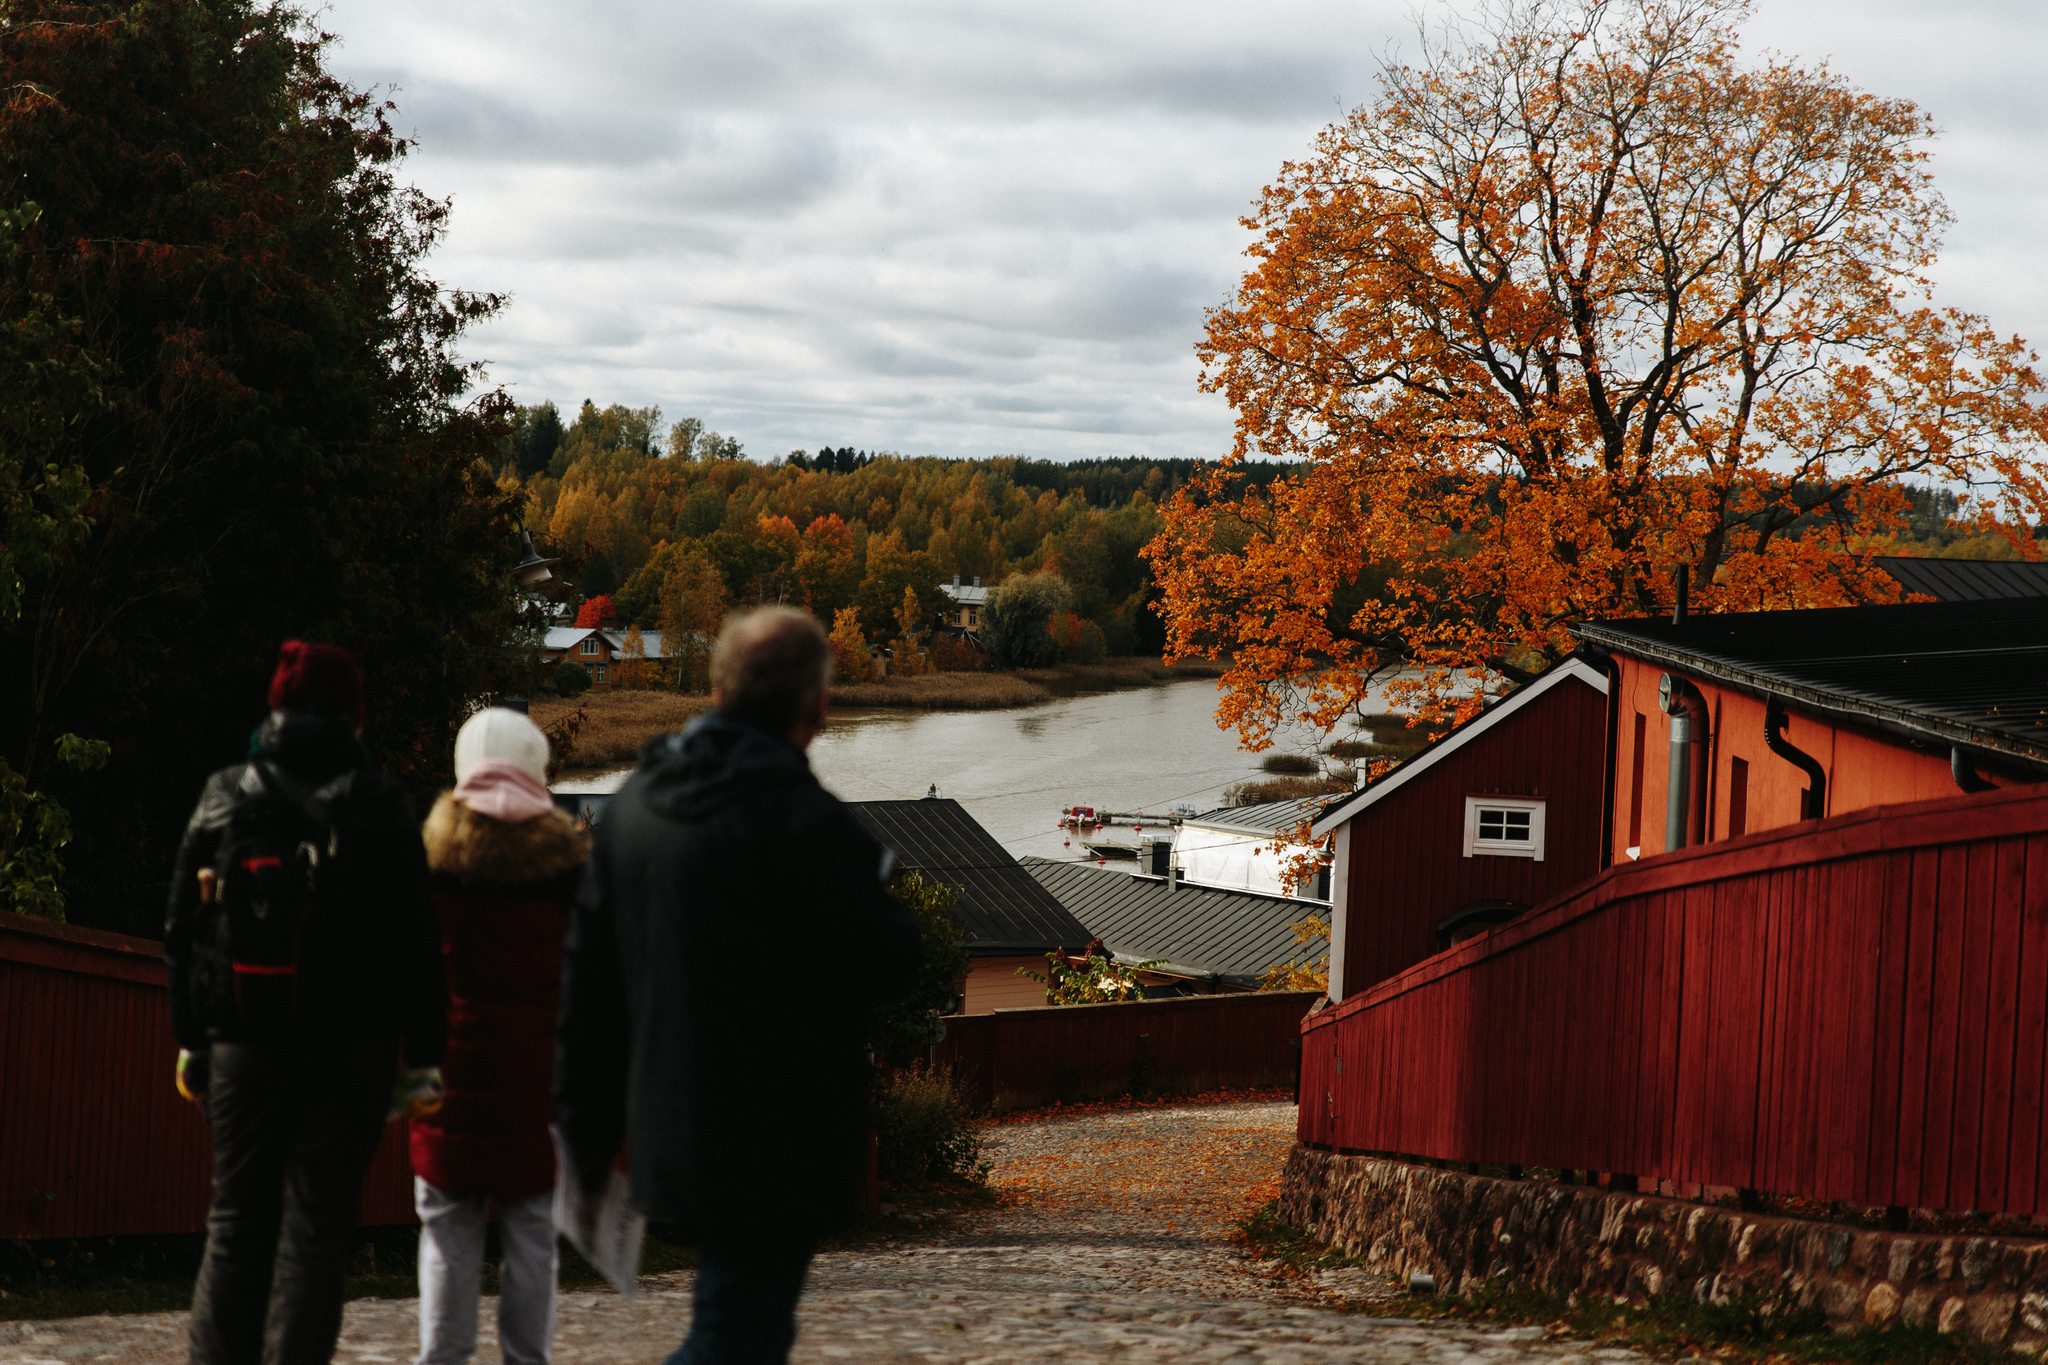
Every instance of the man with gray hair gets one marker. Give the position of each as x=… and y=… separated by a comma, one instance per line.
x=732, y=939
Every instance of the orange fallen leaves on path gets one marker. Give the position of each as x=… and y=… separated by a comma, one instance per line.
x=1146, y=1168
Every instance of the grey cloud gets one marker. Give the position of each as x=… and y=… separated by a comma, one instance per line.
x=944, y=226
x=457, y=122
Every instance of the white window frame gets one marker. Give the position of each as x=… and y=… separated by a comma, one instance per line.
x=599, y=675
x=1532, y=847
x=591, y=646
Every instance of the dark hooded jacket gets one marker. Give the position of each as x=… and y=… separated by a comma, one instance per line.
x=731, y=939
x=370, y=960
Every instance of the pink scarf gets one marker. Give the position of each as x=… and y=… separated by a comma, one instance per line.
x=504, y=791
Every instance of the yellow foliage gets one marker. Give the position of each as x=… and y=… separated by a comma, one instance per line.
x=851, y=661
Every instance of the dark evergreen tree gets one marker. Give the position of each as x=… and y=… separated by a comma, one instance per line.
x=598, y=578
x=283, y=448
x=536, y=435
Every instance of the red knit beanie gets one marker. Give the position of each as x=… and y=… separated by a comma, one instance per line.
x=321, y=678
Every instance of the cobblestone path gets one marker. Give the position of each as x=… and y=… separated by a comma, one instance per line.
x=1110, y=1248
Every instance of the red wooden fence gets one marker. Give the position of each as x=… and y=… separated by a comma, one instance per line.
x=1854, y=1009
x=94, y=1138
x=1015, y=1059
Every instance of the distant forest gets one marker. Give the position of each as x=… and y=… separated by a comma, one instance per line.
x=641, y=509
x=633, y=506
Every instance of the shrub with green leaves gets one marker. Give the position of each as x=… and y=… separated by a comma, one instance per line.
x=903, y=1026
x=571, y=679
x=926, y=1129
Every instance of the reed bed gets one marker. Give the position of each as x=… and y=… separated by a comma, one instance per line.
x=1064, y=680
x=1294, y=764
x=615, y=724
x=943, y=692
x=1283, y=789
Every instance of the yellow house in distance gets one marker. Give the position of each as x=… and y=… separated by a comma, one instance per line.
x=967, y=600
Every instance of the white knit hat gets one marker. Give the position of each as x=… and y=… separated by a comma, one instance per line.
x=504, y=736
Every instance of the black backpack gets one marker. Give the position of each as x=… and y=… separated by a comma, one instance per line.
x=279, y=847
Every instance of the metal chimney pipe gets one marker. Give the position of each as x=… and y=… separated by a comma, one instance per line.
x=1681, y=701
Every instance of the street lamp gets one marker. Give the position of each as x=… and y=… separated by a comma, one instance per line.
x=532, y=568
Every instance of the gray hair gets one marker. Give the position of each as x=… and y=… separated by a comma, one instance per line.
x=770, y=666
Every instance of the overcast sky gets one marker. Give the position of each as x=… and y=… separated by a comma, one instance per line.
x=970, y=228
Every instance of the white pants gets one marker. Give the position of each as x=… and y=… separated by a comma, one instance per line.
x=451, y=1276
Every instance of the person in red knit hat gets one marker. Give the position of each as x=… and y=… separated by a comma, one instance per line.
x=303, y=953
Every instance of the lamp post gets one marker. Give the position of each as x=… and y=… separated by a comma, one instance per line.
x=532, y=570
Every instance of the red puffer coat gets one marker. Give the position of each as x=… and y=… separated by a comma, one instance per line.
x=504, y=892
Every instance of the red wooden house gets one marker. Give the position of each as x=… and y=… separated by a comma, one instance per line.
x=1498, y=815
x=1794, y=715
x=600, y=649
x=1814, y=962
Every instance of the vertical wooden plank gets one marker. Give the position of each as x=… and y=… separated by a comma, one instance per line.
x=2030, y=1026
x=1860, y=934
x=1894, y=931
x=1950, y=900
x=1917, y=1100
x=2006, y=913
x=1972, y=1022
x=1748, y=937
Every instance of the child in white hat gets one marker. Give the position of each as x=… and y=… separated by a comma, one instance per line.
x=506, y=863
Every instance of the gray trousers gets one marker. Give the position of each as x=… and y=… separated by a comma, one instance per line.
x=451, y=1275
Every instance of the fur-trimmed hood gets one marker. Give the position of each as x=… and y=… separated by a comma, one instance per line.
x=477, y=850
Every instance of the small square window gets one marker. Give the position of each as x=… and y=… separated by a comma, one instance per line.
x=1503, y=826
x=591, y=646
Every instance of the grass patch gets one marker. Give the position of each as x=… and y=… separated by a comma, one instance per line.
x=1290, y=763
x=943, y=692
x=1669, y=1325
x=615, y=724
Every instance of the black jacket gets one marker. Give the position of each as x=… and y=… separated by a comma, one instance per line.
x=374, y=969
x=731, y=940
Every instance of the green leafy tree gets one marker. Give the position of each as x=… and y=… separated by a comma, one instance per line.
x=1096, y=980
x=535, y=437
x=282, y=443
x=903, y=1025
x=50, y=383
x=1017, y=618
x=571, y=678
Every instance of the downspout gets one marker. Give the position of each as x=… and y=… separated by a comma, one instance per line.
x=1611, y=778
x=1966, y=776
x=1681, y=701
x=1815, y=804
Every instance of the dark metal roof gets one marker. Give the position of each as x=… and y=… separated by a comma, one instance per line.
x=1194, y=931
x=1967, y=580
x=1002, y=908
x=1970, y=673
x=1267, y=817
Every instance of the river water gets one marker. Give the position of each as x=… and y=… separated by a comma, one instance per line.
x=1144, y=748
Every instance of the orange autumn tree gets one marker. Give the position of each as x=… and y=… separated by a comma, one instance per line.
x=1581, y=298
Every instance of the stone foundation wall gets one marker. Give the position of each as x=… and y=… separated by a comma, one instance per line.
x=1575, y=1239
